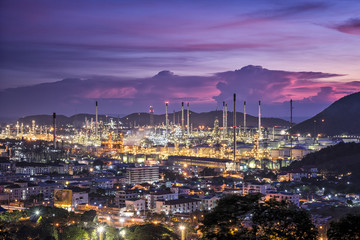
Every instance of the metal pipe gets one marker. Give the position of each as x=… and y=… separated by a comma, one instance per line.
x=234, y=127
x=54, y=132
x=96, y=120
x=244, y=117
x=259, y=119
x=166, y=118
x=188, y=119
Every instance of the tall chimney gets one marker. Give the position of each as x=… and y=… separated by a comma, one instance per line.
x=188, y=119
x=17, y=128
x=182, y=118
x=245, y=118
x=96, y=120
x=54, y=126
x=234, y=127
x=291, y=123
x=151, y=116
x=259, y=119
x=166, y=117
x=224, y=129
x=174, y=120
x=226, y=119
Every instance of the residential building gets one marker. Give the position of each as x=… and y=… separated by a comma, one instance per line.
x=142, y=175
x=185, y=205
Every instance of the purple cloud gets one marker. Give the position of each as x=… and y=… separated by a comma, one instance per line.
x=125, y=95
x=351, y=26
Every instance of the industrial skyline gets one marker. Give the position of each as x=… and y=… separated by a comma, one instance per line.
x=157, y=119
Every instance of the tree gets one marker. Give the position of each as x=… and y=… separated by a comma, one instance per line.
x=346, y=228
x=88, y=216
x=111, y=233
x=281, y=220
x=247, y=217
x=226, y=220
x=150, y=232
x=74, y=232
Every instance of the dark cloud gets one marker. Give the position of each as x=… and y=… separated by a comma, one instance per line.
x=127, y=95
x=254, y=83
x=351, y=26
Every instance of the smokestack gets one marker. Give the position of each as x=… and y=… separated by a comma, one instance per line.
x=188, y=119
x=166, y=117
x=182, y=118
x=224, y=120
x=291, y=122
x=291, y=114
x=54, y=126
x=234, y=122
x=151, y=116
x=96, y=120
x=33, y=128
x=259, y=119
x=17, y=128
x=174, y=122
x=244, y=117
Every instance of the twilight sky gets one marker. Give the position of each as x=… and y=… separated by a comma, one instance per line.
x=64, y=55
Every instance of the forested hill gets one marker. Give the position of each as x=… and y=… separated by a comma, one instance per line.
x=341, y=158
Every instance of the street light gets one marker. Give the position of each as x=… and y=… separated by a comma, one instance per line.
x=122, y=233
x=37, y=212
x=182, y=229
x=100, y=229
x=122, y=220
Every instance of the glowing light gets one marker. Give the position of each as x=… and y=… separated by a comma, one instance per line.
x=100, y=229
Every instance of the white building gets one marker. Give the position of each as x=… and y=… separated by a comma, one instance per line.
x=283, y=196
x=255, y=187
x=47, y=189
x=160, y=195
x=185, y=205
x=208, y=202
x=142, y=175
x=31, y=168
x=103, y=183
x=79, y=198
x=122, y=195
x=21, y=191
x=135, y=204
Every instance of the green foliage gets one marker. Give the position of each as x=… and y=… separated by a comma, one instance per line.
x=225, y=221
x=279, y=220
x=12, y=216
x=88, y=216
x=150, y=232
x=74, y=232
x=111, y=233
x=247, y=217
x=346, y=228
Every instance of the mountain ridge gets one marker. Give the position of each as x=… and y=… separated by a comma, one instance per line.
x=341, y=117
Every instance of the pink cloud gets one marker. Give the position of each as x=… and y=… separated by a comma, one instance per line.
x=352, y=26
